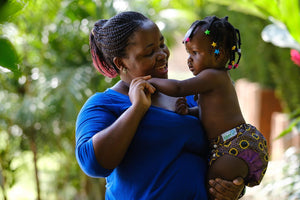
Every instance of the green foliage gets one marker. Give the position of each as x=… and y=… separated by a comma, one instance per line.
x=8, y=55
x=284, y=11
x=9, y=148
x=295, y=122
x=282, y=178
x=286, y=76
x=173, y=17
x=9, y=9
x=57, y=77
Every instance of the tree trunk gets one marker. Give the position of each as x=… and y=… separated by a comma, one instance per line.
x=34, y=151
x=2, y=183
x=3, y=193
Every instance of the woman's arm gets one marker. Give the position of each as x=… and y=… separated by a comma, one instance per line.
x=111, y=144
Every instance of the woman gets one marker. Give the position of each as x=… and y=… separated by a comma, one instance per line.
x=130, y=134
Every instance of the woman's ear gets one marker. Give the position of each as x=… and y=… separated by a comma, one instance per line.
x=119, y=63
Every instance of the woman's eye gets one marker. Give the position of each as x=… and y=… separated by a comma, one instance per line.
x=150, y=54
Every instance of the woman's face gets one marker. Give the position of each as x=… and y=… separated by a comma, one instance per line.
x=146, y=53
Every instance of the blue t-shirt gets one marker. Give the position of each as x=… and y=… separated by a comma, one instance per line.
x=167, y=158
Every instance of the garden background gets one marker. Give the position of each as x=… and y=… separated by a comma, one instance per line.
x=46, y=75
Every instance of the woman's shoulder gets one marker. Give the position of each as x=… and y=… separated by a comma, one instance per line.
x=108, y=96
x=104, y=103
x=109, y=100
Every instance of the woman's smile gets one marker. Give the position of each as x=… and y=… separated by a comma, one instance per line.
x=163, y=69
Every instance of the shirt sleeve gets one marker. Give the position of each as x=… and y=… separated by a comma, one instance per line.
x=91, y=119
x=190, y=101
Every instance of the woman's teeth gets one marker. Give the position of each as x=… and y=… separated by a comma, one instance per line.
x=161, y=67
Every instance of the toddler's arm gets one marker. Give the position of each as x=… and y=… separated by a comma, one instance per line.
x=203, y=82
x=194, y=111
x=170, y=87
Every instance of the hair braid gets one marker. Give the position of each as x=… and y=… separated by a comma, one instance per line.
x=223, y=33
x=109, y=38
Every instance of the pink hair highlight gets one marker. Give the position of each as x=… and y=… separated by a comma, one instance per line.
x=101, y=66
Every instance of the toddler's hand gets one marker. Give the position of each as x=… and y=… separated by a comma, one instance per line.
x=181, y=106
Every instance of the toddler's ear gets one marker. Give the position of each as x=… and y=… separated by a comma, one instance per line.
x=223, y=56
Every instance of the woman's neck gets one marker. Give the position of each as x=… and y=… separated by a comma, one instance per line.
x=121, y=87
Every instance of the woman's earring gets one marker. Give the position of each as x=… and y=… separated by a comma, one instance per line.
x=124, y=70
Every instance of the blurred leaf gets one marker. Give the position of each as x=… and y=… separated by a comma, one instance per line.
x=269, y=7
x=291, y=17
x=288, y=11
x=295, y=114
x=8, y=55
x=9, y=8
x=242, y=6
x=293, y=124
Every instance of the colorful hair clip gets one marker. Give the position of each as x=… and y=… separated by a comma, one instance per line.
x=214, y=44
x=235, y=66
x=207, y=32
x=233, y=48
x=229, y=67
x=217, y=51
x=187, y=35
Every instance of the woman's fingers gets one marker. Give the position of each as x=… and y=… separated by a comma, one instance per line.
x=150, y=88
x=226, y=190
x=238, y=181
x=140, y=91
x=146, y=77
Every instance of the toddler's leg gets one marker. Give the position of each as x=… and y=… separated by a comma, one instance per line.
x=228, y=168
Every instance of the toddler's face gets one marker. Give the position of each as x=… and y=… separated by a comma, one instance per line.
x=201, y=52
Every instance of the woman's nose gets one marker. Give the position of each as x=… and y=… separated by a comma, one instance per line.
x=162, y=55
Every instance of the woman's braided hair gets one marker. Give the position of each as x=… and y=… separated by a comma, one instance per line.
x=223, y=34
x=109, y=38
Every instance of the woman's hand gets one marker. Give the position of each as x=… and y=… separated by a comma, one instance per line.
x=226, y=190
x=140, y=92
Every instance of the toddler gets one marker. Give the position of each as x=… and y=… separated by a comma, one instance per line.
x=237, y=149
